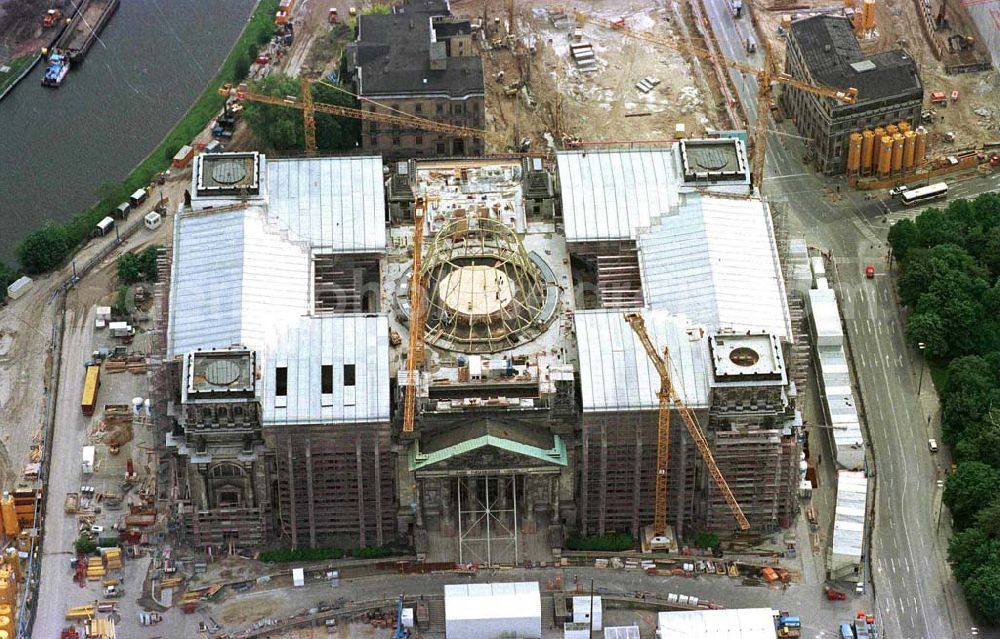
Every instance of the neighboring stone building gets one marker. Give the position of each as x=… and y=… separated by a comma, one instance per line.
x=423, y=62
x=823, y=50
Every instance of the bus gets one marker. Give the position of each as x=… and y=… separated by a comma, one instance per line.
x=924, y=194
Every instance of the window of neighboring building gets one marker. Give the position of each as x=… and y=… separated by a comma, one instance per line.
x=373, y=141
x=440, y=107
x=419, y=140
x=418, y=108
x=440, y=148
x=349, y=374
x=281, y=381
x=475, y=107
x=326, y=379
x=395, y=140
x=457, y=109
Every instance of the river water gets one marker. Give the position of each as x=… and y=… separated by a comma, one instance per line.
x=57, y=146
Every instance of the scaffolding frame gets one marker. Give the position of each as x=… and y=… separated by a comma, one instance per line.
x=485, y=513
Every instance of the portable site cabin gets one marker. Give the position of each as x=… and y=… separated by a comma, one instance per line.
x=153, y=220
x=138, y=197
x=19, y=287
x=105, y=225
x=183, y=157
x=123, y=210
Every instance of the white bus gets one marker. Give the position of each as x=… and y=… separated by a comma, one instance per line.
x=924, y=194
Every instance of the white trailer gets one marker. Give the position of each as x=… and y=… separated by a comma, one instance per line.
x=88, y=460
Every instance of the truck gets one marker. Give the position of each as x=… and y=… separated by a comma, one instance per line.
x=72, y=503
x=91, y=383
x=786, y=621
x=846, y=632
x=88, y=460
x=789, y=633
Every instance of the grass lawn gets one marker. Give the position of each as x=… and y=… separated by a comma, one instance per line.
x=16, y=65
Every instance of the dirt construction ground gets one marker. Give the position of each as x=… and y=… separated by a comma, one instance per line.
x=603, y=105
x=973, y=119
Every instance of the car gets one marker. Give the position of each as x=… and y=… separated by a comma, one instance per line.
x=870, y=272
x=97, y=530
x=932, y=445
x=898, y=190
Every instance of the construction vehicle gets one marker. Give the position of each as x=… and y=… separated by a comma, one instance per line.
x=309, y=108
x=91, y=384
x=415, y=346
x=401, y=632
x=833, y=594
x=50, y=18
x=71, y=505
x=669, y=398
x=69, y=632
x=766, y=76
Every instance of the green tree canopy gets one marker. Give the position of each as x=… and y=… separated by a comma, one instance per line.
x=982, y=590
x=969, y=488
x=281, y=128
x=43, y=250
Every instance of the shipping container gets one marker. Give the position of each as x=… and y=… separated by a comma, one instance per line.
x=91, y=383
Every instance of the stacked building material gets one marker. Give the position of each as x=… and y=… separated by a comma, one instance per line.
x=112, y=558
x=95, y=569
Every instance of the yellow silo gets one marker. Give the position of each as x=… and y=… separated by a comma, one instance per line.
x=9, y=515
x=920, y=147
x=909, y=146
x=854, y=153
x=904, y=126
x=848, y=3
x=879, y=132
x=786, y=22
x=867, y=149
x=891, y=130
x=897, y=152
x=885, y=156
x=8, y=589
x=6, y=624
x=868, y=15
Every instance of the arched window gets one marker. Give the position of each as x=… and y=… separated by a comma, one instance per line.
x=224, y=470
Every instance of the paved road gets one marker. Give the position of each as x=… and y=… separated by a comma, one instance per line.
x=916, y=594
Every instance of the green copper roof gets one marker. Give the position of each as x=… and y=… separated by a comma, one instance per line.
x=555, y=455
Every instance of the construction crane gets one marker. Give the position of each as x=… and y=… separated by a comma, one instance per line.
x=415, y=347
x=765, y=77
x=310, y=108
x=669, y=398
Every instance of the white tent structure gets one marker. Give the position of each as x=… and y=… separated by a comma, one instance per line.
x=491, y=611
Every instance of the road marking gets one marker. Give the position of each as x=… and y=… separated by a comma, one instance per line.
x=902, y=606
x=862, y=356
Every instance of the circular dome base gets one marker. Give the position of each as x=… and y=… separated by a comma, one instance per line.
x=476, y=293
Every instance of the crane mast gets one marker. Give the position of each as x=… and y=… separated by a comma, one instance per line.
x=662, y=365
x=415, y=347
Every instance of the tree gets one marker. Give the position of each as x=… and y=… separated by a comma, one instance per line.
x=43, y=250
x=242, y=66
x=903, y=236
x=982, y=590
x=968, y=393
x=85, y=545
x=707, y=540
x=278, y=127
x=969, y=488
x=129, y=269
x=281, y=128
x=968, y=550
x=7, y=275
x=929, y=329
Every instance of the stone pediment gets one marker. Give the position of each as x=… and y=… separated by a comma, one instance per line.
x=488, y=452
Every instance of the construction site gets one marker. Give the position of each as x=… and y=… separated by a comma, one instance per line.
x=477, y=362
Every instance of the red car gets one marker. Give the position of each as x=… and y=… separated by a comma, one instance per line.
x=870, y=272
x=834, y=595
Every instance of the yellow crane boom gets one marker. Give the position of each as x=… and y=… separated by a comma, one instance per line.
x=415, y=346
x=662, y=365
x=765, y=77
x=309, y=108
